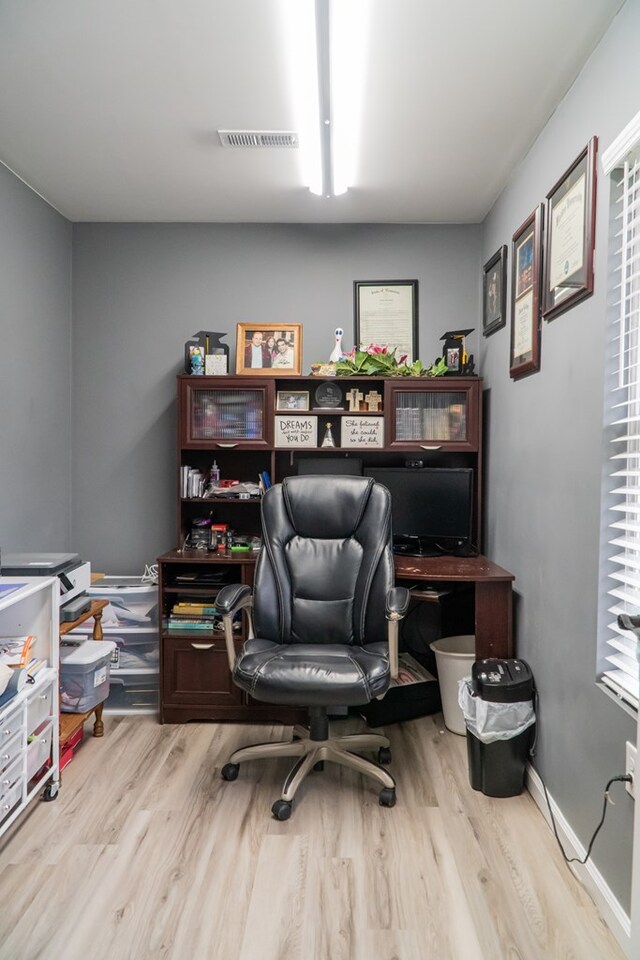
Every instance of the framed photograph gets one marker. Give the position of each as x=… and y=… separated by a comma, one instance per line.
x=386, y=312
x=269, y=349
x=570, y=216
x=292, y=400
x=526, y=251
x=494, y=292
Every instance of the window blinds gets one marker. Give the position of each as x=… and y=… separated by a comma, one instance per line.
x=619, y=671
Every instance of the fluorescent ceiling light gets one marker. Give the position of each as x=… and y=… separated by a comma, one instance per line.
x=326, y=42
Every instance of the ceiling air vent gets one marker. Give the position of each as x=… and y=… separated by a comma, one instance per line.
x=258, y=138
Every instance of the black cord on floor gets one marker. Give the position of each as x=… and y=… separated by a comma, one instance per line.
x=625, y=778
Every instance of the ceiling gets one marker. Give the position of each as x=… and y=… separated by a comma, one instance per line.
x=110, y=108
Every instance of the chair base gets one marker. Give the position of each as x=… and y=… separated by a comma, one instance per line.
x=311, y=751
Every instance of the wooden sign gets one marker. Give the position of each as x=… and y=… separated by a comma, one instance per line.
x=300, y=431
x=362, y=432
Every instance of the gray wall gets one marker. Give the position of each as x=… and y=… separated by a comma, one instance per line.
x=141, y=290
x=35, y=371
x=545, y=465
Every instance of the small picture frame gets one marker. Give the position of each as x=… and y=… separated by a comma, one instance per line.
x=494, y=292
x=292, y=400
x=269, y=349
x=570, y=216
x=526, y=255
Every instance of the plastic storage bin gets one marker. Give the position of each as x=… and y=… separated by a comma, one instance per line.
x=131, y=602
x=133, y=693
x=499, y=718
x=135, y=650
x=84, y=675
x=454, y=659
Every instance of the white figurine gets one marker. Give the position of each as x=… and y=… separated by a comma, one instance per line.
x=336, y=353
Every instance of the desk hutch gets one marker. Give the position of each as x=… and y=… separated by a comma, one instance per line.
x=241, y=423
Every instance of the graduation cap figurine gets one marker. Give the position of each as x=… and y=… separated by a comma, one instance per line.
x=455, y=353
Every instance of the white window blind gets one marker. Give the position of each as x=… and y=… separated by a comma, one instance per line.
x=619, y=665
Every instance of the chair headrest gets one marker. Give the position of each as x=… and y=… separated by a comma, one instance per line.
x=326, y=507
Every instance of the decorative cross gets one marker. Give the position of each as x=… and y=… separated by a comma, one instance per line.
x=354, y=397
x=374, y=399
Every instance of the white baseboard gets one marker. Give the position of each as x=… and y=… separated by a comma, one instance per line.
x=590, y=877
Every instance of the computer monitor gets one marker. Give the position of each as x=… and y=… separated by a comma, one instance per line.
x=431, y=508
x=335, y=466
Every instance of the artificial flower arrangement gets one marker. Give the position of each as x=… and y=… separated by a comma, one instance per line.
x=376, y=360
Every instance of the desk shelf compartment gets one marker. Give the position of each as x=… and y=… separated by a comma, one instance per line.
x=440, y=415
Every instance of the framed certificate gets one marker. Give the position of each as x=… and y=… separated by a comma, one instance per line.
x=386, y=313
x=570, y=223
x=525, y=296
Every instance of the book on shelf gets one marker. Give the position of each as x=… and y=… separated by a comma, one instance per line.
x=192, y=618
x=185, y=608
x=16, y=651
x=193, y=625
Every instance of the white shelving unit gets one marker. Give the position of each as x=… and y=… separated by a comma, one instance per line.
x=29, y=728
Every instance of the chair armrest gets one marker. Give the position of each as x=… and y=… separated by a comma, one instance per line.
x=229, y=601
x=397, y=602
x=397, y=605
x=229, y=598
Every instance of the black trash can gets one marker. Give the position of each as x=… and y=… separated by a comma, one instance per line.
x=497, y=768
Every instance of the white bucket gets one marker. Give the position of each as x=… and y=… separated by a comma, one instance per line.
x=454, y=656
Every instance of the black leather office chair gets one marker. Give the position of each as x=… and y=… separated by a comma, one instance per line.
x=324, y=630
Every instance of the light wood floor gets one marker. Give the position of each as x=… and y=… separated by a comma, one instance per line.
x=147, y=853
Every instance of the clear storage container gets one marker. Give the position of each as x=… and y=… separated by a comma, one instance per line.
x=130, y=602
x=84, y=675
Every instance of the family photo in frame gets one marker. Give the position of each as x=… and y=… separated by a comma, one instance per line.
x=494, y=292
x=269, y=348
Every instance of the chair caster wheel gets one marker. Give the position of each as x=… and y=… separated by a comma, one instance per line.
x=230, y=771
x=319, y=765
x=387, y=797
x=384, y=755
x=49, y=793
x=281, y=809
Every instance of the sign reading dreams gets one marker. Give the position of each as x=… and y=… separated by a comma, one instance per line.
x=300, y=431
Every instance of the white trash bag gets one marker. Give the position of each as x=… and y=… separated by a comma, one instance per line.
x=490, y=721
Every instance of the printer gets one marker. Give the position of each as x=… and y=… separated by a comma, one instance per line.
x=73, y=573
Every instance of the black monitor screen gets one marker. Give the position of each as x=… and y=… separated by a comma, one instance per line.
x=431, y=508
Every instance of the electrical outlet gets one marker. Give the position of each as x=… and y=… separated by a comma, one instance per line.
x=630, y=767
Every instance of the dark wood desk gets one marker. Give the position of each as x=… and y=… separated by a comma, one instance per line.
x=493, y=595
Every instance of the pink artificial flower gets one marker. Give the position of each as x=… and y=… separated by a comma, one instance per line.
x=403, y=358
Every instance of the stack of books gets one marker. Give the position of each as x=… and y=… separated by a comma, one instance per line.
x=192, y=615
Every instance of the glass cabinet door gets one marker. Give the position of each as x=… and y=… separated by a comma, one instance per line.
x=435, y=415
x=216, y=413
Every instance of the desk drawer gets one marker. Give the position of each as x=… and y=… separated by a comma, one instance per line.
x=196, y=671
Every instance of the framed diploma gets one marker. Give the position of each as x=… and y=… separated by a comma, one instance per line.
x=386, y=312
x=526, y=249
x=570, y=218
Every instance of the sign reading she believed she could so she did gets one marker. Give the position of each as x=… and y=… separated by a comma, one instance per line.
x=296, y=431
x=362, y=432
